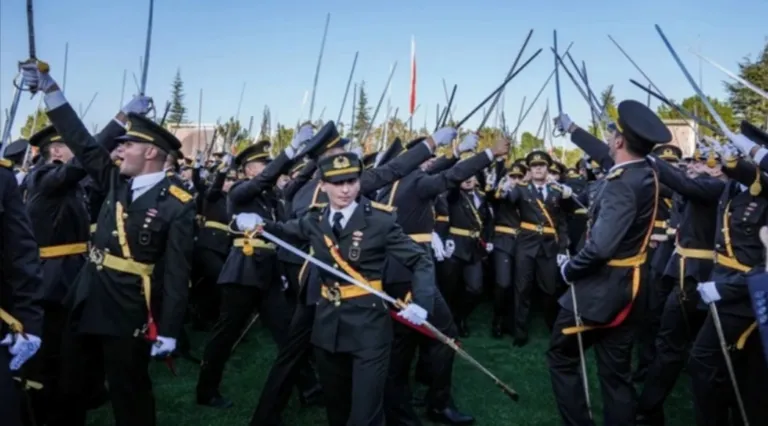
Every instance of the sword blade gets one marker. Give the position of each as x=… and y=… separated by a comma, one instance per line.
x=145, y=64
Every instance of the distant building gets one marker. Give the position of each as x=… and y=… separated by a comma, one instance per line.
x=683, y=134
x=195, y=138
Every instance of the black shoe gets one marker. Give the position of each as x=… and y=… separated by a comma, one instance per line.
x=312, y=397
x=520, y=341
x=450, y=416
x=217, y=401
x=463, y=328
x=650, y=419
x=496, y=329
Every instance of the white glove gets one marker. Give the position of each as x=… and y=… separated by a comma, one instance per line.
x=163, y=347
x=285, y=282
x=730, y=151
x=227, y=161
x=304, y=134
x=563, y=122
x=566, y=190
x=203, y=174
x=414, y=314
x=138, y=105
x=20, y=177
x=34, y=79
x=444, y=136
x=708, y=292
x=450, y=246
x=438, y=247
x=550, y=179
x=562, y=271
x=561, y=259
x=199, y=159
x=743, y=143
x=469, y=143
x=489, y=247
x=21, y=347
x=376, y=161
x=248, y=221
x=358, y=151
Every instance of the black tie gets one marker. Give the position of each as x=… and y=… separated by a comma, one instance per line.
x=541, y=192
x=337, y=217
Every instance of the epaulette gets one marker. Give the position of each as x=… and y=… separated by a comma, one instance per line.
x=4, y=162
x=522, y=184
x=382, y=207
x=318, y=206
x=170, y=174
x=614, y=174
x=180, y=194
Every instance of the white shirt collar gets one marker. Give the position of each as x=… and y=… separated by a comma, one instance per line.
x=143, y=183
x=346, y=211
x=625, y=163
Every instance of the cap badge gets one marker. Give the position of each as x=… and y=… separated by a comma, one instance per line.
x=341, y=162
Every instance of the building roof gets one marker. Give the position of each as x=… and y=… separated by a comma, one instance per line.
x=194, y=138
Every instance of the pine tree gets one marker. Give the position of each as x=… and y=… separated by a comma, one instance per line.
x=363, y=116
x=747, y=104
x=178, y=112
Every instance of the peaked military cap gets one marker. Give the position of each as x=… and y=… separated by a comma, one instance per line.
x=668, y=152
x=518, y=169
x=393, y=150
x=16, y=149
x=299, y=166
x=256, y=152
x=340, y=167
x=754, y=133
x=557, y=167
x=535, y=158
x=219, y=155
x=326, y=138
x=143, y=130
x=231, y=174
x=45, y=137
x=573, y=173
x=639, y=124
x=369, y=159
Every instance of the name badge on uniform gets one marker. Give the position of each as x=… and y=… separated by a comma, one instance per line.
x=354, y=250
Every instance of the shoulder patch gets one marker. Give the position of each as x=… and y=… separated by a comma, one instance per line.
x=180, y=194
x=6, y=163
x=614, y=174
x=382, y=207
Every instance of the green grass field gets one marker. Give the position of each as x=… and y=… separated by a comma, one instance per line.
x=524, y=369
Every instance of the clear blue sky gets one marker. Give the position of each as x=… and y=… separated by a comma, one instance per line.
x=272, y=46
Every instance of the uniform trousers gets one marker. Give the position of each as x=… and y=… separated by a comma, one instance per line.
x=204, y=295
x=659, y=289
x=354, y=385
x=503, y=264
x=439, y=367
x=713, y=396
x=125, y=360
x=535, y=267
x=238, y=303
x=10, y=407
x=680, y=321
x=464, y=286
x=44, y=366
x=287, y=368
x=613, y=351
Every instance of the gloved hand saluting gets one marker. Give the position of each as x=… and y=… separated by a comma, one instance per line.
x=36, y=77
x=563, y=123
x=304, y=134
x=22, y=347
x=469, y=143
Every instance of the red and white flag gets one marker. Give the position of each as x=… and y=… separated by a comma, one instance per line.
x=412, y=98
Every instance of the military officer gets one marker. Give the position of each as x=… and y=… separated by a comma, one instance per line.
x=352, y=331
x=606, y=272
x=21, y=311
x=120, y=292
x=286, y=368
x=249, y=278
x=58, y=211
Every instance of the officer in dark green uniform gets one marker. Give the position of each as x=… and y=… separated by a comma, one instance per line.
x=21, y=311
x=352, y=330
x=606, y=272
x=119, y=293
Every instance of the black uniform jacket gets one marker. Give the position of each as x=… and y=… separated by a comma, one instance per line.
x=359, y=320
x=623, y=218
x=213, y=234
x=21, y=273
x=543, y=226
x=150, y=236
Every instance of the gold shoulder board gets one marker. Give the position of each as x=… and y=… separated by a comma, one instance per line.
x=382, y=207
x=4, y=162
x=614, y=174
x=318, y=206
x=180, y=194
